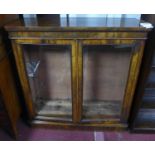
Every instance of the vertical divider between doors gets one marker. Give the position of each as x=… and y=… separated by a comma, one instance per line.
x=77, y=81
x=80, y=79
x=74, y=82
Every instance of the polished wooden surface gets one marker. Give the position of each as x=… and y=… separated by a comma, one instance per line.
x=8, y=90
x=83, y=34
x=56, y=23
x=9, y=95
x=6, y=18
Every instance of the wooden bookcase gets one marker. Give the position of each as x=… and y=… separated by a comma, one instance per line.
x=78, y=72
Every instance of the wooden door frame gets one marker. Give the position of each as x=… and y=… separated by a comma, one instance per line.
x=19, y=59
x=77, y=71
x=135, y=62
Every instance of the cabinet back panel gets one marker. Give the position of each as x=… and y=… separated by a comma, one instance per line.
x=105, y=73
x=49, y=71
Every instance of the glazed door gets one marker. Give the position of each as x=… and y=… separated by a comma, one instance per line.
x=107, y=76
x=46, y=70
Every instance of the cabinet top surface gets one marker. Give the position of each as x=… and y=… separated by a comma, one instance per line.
x=58, y=23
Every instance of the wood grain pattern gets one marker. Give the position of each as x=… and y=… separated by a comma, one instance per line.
x=23, y=77
x=132, y=79
x=113, y=125
x=9, y=95
x=78, y=35
x=73, y=24
x=11, y=110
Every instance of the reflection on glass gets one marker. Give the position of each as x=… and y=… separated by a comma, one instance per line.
x=49, y=72
x=85, y=20
x=105, y=70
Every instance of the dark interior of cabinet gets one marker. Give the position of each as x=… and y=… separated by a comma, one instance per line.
x=146, y=116
x=144, y=100
x=151, y=76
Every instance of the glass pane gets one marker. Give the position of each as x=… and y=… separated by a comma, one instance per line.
x=49, y=73
x=105, y=73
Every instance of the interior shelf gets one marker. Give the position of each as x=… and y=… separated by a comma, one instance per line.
x=101, y=109
x=55, y=108
x=63, y=108
x=148, y=102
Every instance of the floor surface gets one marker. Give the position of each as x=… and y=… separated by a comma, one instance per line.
x=47, y=134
